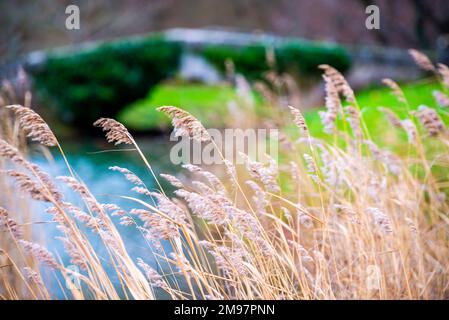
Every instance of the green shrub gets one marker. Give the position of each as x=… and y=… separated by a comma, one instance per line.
x=299, y=57
x=99, y=82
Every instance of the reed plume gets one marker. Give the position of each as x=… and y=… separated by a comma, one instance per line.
x=115, y=131
x=265, y=174
x=130, y=176
x=443, y=70
x=333, y=105
x=392, y=117
x=38, y=130
x=430, y=120
x=354, y=121
x=40, y=253
x=28, y=185
x=339, y=82
x=422, y=60
x=395, y=89
x=299, y=120
x=152, y=275
x=410, y=129
x=10, y=224
x=441, y=98
x=185, y=125
x=175, y=182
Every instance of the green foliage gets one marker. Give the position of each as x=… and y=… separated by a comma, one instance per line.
x=207, y=103
x=299, y=57
x=99, y=82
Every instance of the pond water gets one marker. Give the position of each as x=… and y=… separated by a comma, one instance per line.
x=90, y=160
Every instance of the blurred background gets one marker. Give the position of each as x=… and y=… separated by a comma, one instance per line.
x=129, y=57
x=32, y=25
x=153, y=41
x=207, y=56
x=31, y=28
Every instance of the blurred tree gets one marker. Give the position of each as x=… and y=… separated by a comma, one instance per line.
x=430, y=19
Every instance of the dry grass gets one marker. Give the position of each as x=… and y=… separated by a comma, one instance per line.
x=16, y=222
x=335, y=219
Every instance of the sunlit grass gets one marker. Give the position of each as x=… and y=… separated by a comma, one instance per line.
x=370, y=99
x=208, y=102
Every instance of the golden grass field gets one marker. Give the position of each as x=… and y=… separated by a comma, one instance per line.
x=333, y=218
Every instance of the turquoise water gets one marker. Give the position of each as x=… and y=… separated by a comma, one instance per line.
x=90, y=161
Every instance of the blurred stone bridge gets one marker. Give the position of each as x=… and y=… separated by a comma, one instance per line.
x=370, y=63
